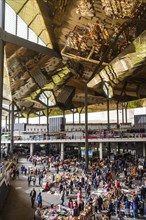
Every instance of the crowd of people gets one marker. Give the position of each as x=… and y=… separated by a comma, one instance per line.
x=109, y=188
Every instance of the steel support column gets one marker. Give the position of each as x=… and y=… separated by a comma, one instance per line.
x=27, y=119
x=108, y=115
x=9, y=127
x=63, y=114
x=80, y=115
x=12, y=128
x=117, y=114
x=39, y=118
x=2, y=14
x=2, y=25
x=16, y=30
x=73, y=114
x=119, y=144
x=122, y=113
x=47, y=116
x=86, y=127
x=79, y=118
x=144, y=149
x=62, y=151
x=100, y=151
x=64, y=121
x=31, y=149
x=18, y=118
x=126, y=119
x=108, y=124
x=6, y=122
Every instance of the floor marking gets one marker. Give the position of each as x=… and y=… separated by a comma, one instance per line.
x=19, y=187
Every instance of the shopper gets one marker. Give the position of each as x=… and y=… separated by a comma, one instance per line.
x=70, y=204
x=76, y=211
x=39, y=199
x=29, y=180
x=135, y=208
x=62, y=197
x=33, y=196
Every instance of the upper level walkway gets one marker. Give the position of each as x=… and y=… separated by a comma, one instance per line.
x=82, y=140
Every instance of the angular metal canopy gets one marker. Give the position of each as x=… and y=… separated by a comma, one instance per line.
x=102, y=44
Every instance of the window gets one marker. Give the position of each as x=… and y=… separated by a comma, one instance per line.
x=21, y=28
x=10, y=20
x=32, y=36
x=41, y=42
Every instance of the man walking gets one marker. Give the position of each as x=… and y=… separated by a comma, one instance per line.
x=33, y=196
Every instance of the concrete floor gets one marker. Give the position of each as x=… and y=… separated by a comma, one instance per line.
x=17, y=205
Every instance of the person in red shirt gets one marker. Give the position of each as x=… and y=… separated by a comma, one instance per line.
x=47, y=186
x=117, y=184
x=110, y=176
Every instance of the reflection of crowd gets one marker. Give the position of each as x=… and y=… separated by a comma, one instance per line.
x=121, y=9
x=95, y=39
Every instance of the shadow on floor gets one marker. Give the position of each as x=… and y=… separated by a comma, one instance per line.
x=17, y=205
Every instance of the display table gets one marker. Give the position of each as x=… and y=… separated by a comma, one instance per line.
x=105, y=215
x=87, y=216
x=57, y=213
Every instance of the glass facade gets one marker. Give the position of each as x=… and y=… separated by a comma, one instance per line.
x=16, y=26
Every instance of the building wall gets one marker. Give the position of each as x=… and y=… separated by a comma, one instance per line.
x=55, y=125
x=36, y=127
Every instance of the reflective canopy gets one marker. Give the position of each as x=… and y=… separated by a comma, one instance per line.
x=102, y=44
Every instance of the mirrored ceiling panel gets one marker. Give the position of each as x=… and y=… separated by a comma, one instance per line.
x=125, y=65
x=30, y=74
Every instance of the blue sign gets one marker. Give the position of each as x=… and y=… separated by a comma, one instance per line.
x=90, y=153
